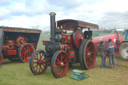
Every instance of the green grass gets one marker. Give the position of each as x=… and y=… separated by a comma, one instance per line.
x=15, y=73
x=43, y=37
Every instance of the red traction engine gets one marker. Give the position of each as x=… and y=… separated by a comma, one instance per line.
x=68, y=44
x=116, y=39
x=18, y=43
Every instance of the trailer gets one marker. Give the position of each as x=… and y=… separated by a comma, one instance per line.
x=68, y=44
x=18, y=43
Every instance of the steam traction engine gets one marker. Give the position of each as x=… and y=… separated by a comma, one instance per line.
x=68, y=44
x=18, y=43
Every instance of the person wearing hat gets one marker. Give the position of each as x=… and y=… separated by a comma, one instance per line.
x=111, y=49
x=102, y=51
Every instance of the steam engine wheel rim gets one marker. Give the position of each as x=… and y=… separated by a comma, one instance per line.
x=25, y=52
x=81, y=54
x=89, y=55
x=59, y=64
x=1, y=58
x=38, y=64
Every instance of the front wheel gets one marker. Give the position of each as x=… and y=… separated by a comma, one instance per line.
x=38, y=64
x=59, y=64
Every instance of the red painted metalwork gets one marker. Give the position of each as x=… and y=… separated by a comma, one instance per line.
x=38, y=63
x=1, y=58
x=59, y=64
x=33, y=44
x=105, y=38
x=71, y=54
x=10, y=44
x=25, y=52
x=66, y=47
x=20, y=40
x=78, y=37
x=8, y=49
x=67, y=38
x=10, y=52
x=4, y=47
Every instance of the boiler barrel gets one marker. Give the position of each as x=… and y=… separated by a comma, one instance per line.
x=116, y=39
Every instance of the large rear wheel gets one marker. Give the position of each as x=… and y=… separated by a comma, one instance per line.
x=123, y=51
x=38, y=64
x=25, y=51
x=59, y=64
x=87, y=54
x=81, y=54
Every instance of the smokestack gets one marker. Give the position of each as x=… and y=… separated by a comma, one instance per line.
x=52, y=25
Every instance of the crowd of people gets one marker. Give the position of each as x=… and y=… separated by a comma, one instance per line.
x=110, y=49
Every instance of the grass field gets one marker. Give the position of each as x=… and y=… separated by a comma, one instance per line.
x=15, y=73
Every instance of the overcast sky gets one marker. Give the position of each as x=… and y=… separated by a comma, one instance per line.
x=32, y=13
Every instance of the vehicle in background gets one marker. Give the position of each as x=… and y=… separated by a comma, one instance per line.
x=116, y=39
x=18, y=43
x=123, y=50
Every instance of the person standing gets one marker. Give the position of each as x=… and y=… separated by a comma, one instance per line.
x=111, y=49
x=102, y=51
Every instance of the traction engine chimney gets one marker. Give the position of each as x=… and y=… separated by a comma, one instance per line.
x=52, y=25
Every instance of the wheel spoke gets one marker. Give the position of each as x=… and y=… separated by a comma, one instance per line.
x=60, y=70
x=40, y=56
x=23, y=52
x=58, y=60
x=41, y=67
x=23, y=55
x=35, y=66
x=23, y=49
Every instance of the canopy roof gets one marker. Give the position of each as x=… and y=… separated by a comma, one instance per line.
x=17, y=29
x=69, y=24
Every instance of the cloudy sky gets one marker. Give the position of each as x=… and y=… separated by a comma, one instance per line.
x=35, y=13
